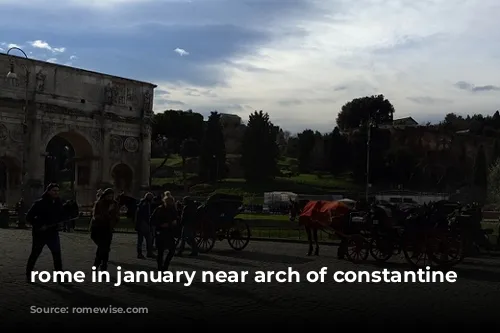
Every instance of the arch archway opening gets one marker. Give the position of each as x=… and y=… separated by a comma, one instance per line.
x=67, y=161
x=122, y=176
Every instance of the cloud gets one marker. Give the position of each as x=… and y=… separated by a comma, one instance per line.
x=427, y=100
x=181, y=52
x=173, y=103
x=52, y=60
x=39, y=44
x=472, y=88
x=9, y=45
x=298, y=60
x=73, y=57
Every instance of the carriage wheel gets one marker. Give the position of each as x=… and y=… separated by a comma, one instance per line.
x=450, y=250
x=357, y=249
x=418, y=250
x=205, y=238
x=238, y=234
x=381, y=248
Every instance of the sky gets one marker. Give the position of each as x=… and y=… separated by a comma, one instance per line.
x=298, y=60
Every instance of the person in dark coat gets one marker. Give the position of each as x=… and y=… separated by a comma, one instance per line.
x=105, y=216
x=188, y=222
x=164, y=218
x=142, y=225
x=45, y=217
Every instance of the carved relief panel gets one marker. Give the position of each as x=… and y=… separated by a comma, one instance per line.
x=120, y=145
x=147, y=102
x=131, y=144
x=40, y=80
x=115, y=145
x=11, y=139
x=119, y=94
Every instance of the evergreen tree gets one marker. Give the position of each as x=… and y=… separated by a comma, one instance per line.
x=213, y=150
x=306, y=144
x=260, y=148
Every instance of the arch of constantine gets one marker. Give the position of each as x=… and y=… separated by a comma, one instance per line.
x=105, y=119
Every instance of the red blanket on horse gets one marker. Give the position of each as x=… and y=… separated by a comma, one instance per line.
x=324, y=214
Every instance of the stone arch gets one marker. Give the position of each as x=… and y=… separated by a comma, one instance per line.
x=73, y=167
x=10, y=179
x=122, y=175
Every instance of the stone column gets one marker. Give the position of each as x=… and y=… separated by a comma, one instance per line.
x=105, y=160
x=146, y=156
x=35, y=160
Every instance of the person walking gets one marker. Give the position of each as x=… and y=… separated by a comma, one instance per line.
x=164, y=218
x=105, y=216
x=142, y=226
x=45, y=216
x=188, y=222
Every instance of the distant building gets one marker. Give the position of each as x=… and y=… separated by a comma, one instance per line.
x=404, y=122
x=233, y=131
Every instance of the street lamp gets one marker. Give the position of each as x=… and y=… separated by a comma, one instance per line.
x=369, y=124
x=12, y=75
x=216, y=168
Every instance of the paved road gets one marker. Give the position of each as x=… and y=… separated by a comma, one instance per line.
x=475, y=295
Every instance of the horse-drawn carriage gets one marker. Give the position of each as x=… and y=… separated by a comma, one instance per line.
x=217, y=221
x=429, y=235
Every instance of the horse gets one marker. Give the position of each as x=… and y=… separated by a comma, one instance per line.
x=322, y=218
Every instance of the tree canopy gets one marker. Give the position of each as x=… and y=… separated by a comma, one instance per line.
x=360, y=110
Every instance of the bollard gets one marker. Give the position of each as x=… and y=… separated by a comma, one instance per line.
x=4, y=218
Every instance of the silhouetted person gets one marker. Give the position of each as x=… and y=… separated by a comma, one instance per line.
x=188, y=222
x=45, y=216
x=164, y=218
x=105, y=216
x=142, y=225
x=21, y=213
x=71, y=213
x=157, y=201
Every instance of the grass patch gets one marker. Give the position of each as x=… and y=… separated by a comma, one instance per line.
x=173, y=161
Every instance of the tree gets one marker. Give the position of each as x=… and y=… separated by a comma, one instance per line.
x=360, y=110
x=496, y=152
x=480, y=169
x=306, y=143
x=494, y=183
x=480, y=177
x=213, y=150
x=178, y=126
x=189, y=148
x=260, y=149
x=338, y=152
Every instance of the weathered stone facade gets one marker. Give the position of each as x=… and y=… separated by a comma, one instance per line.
x=105, y=118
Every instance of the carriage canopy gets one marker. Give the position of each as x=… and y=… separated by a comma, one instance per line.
x=219, y=204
